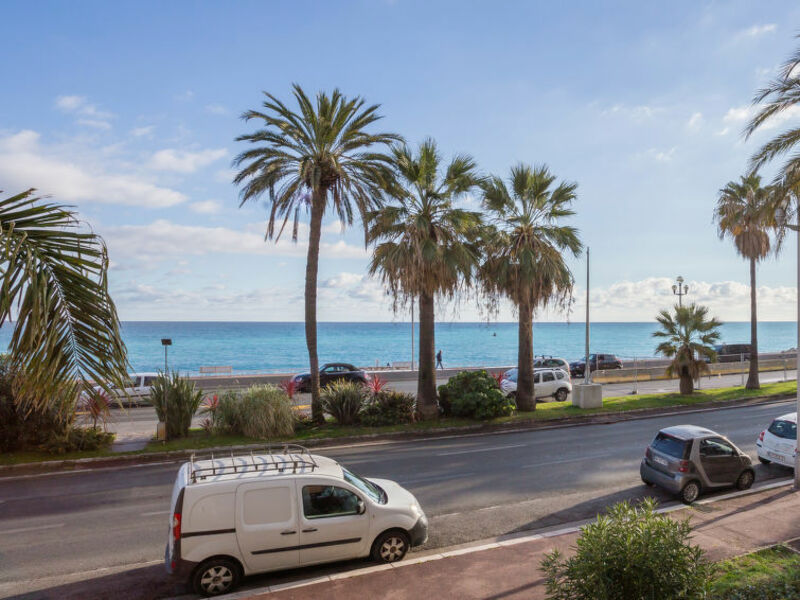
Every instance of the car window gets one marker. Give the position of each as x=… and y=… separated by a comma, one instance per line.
x=536, y=378
x=148, y=381
x=321, y=501
x=328, y=369
x=511, y=375
x=716, y=447
x=366, y=486
x=548, y=376
x=783, y=429
x=670, y=445
x=133, y=381
x=560, y=374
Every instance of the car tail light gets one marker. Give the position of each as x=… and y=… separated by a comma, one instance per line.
x=684, y=466
x=761, y=436
x=176, y=526
x=648, y=453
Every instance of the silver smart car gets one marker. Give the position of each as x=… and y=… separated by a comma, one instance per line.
x=687, y=460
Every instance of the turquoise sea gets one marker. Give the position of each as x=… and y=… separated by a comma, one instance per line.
x=281, y=347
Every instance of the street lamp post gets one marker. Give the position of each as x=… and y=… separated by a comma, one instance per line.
x=680, y=290
x=783, y=221
x=166, y=342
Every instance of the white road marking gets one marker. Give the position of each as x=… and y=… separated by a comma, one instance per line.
x=481, y=450
x=27, y=529
x=155, y=512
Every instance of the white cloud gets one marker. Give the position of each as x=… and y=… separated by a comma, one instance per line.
x=89, y=114
x=343, y=280
x=758, y=30
x=216, y=109
x=25, y=163
x=335, y=227
x=658, y=155
x=639, y=113
x=142, y=131
x=206, y=207
x=695, y=121
x=739, y=115
x=179, y=161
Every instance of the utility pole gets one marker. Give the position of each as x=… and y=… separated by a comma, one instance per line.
x=412, y=333
x=587, y=371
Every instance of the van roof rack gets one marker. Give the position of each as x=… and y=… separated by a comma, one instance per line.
x=297, y=458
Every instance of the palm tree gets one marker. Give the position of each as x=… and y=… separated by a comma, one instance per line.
x=780, y=95
x=306, y=160
x=425, y=246
x=691, y=336
x=524, y=255
x=743, y=214
x=66, y=336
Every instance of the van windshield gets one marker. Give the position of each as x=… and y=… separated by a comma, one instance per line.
x=366, y=486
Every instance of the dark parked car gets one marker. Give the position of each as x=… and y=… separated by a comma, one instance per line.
x=732, y=352
x=331, y=372
x=687, y=460
x=596, y=361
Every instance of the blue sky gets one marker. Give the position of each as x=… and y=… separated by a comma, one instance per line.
x=129, y=110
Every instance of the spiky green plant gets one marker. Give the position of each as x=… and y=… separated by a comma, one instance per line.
x=425, y=246
x=690, y=338
x=176, y=400
x=66, y=338
x=524, y=253
x=319, y=159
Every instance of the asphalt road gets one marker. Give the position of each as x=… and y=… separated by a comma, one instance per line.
x=58, y=528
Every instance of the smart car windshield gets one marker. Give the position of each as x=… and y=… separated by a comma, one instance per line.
x=366, y=486
x=783, y=429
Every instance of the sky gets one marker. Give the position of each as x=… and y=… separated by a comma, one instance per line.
x=129, y=111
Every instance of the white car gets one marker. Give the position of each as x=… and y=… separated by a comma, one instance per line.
x=136, y=391
x=546, y=383
x=551, y=362
x=240, y=515
x=778, y=443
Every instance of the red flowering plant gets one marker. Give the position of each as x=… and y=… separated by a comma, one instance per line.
x=375, y=385
x=289, y=386
x=97, y=407
x=498, y=377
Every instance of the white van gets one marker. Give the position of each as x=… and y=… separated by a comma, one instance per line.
x=247, y=514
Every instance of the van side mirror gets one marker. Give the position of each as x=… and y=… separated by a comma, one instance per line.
x=361, y=508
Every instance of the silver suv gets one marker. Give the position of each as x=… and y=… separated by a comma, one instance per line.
x=687, y=460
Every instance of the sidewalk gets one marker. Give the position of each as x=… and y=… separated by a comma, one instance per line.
x=509, y=569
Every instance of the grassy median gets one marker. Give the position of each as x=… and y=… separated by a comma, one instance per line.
x=769, y=573
x=545, y=411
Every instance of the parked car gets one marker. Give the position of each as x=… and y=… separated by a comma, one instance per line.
x=600, y=362
x=331, y=372
x=136, y=391
x=732, y=352
x=240, y=515
x=688, y=460
x=551, y=362
x=778, y=443
x=546, y=383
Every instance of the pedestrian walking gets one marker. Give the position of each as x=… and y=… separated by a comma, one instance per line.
x=439, y=364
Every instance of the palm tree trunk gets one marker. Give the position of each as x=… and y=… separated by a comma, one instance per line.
x=752, y=378
x=312, y=268
x=686, y=384
x=426, y=383
x=525, y=397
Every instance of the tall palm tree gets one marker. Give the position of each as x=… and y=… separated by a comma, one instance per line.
x=524, y=255
x=426, y=246
x=743, y=214
x=318, y=159
x=780, y=95
x=53, y=272
x=691, y=336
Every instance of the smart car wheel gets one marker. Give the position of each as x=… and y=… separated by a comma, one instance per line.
x=216, y=576
x=690, y=492
x=390, y=547
x=561, y=395
x=745, y=480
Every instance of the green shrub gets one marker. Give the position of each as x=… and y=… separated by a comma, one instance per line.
x=768, y=574
x=175, y=400
x=76, y=439
x=260, y=412
x=343, y=401
x=474, y=394
x=388, y=407
x=630, y=553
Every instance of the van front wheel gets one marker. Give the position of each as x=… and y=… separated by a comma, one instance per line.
x=216, y=576
x=390, y=546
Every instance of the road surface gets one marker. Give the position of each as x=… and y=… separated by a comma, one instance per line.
x=56, y=528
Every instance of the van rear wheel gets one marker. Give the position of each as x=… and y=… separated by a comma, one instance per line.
x=216, y=576
x=390, y=546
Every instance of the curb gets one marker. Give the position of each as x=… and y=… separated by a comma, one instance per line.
x=388, y=437
x=482, y=545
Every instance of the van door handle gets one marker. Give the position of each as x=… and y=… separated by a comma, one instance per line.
x=288, y=532
x=309, y=530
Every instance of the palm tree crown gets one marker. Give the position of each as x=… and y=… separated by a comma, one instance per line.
x=743, y=213
x=690, y=338
x=425, y=245
x=524, y=253
x=304, y=159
